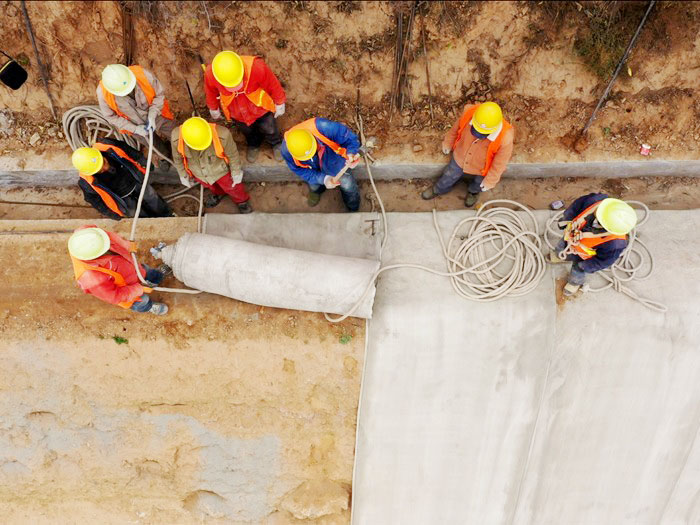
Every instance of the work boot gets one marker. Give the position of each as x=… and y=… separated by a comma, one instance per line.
x=277, y=152
x=213, y=200
x=314, y=199
x=164, y=165
x=429, y=194
x=165, y=270
x=159, y=309
x=571, y=289
x=471, y=200
x=553, y=258
x=245, y=207
x=252, y=154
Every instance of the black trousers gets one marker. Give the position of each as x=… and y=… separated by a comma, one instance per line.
x=265, y=128
x=153, y=204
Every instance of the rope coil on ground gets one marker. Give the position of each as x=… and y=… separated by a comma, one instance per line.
x=629, y=267
x=498, y=255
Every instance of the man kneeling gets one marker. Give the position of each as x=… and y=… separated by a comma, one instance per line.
x=595, y=236
x=104, y=268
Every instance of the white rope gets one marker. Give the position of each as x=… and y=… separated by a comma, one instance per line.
x=135, y=220
x=629, y=267
x=498, y=255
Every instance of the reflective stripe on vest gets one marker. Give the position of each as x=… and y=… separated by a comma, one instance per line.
x=259, y=97
x=585, y=246
x=147, y=89
x=495, y=145
x=80, y=267
x=218, y=148
x=310, y=126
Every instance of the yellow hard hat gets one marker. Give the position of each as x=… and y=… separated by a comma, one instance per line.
x=88, y=243
x=487, y=117
x=227, y=67
x=87, y=161
x=616, y=216
x=118, y=79
x=301, y=144
x=196, y=132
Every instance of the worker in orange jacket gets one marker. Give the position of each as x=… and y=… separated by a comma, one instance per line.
x=247, y=92
x=104, y=268
x=481, y=142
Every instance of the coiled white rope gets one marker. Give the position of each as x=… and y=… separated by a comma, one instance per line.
x=497, y=255
x=629, y=267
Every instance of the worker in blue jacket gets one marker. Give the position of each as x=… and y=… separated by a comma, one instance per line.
x=596, y=228
x=318, y=150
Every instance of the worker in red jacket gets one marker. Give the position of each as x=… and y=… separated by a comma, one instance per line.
x=104, y=268
x=247, y=92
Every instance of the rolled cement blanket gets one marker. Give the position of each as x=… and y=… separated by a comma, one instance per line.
x=272, y=276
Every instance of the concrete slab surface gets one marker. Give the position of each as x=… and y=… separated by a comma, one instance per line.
x=526, y=411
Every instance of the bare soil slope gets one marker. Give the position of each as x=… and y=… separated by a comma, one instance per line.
x=540, y=62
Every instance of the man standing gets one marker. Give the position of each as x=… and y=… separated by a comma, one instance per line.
x=207, y=153
x=247, y=91
x=318, y=150
x=111, y=175
x=132, y=100
x=595, y=236
x=480, y=155
x=104, y=268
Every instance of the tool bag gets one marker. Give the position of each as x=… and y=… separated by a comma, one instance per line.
x=11, y=73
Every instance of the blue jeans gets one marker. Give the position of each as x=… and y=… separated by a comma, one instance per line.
x=349, y=190
x=154, y=277
x=452, y=174
x=576, y=275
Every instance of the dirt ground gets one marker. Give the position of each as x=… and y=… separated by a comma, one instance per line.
x=532, y=57
x=662, y=193
x=221, y=411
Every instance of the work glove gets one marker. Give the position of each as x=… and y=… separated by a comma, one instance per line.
x=186, y=181
x=237, y=177
x=446, y=150
x=562, y=224
x=279, y=110
x=485, y=186
x=215, y=114
x=353, y=159
x=330, y=183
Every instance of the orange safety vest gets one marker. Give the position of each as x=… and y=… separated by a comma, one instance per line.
x=90, y=179
x=218, y=148
x=80, y=267
x=147, y=89
x=584, y=243
x=465, y=120
x=259, y=97
x=310, y=126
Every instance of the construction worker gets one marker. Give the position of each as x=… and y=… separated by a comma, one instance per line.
x=111, y=176
x=132, y=100
x=207, y=153
x=480, y=155
x=247, y=91
x=104, y=268
x=318, y=150
x=596, y=228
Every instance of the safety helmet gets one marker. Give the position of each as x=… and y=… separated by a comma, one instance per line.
x=301, y=144
x=88, y=243
x=616, y=216
x=196, y=132
x=227, y=67
x=119, y=80
x=487, y=118
x=87, y=161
